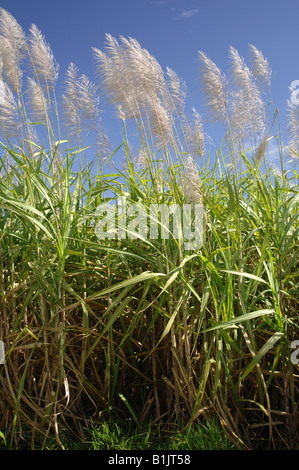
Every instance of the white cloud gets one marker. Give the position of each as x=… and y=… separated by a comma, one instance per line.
x=163, y=2
x=189, y=13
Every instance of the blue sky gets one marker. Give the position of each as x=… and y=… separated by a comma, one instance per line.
x=173, y=31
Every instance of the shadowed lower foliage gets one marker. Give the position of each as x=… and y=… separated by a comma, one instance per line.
x=138, y=327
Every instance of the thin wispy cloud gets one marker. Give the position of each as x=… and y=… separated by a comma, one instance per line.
x=163, y=2
x=189, y=13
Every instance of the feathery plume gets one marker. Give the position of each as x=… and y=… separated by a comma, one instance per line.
x=43, y=63
x=160, y=123
x=214, y=85
x=260, y=66
x=88, y=100
x=239, y=120
x=261, y=149
x=145, y=72
x=276, y=170
x=249, y=94
x=195, y=134
x=38, y=101
x=81, y=107
x=8, y=111
x=142, y=159
x=177, y=88
x=191, y=188
x=149, y=90
x=130, y=74
x=12, y=49
x=120, y=113
x=89, y=107
x=70, y=100
x=112, y=71
x=135, y=82
x=32, y=135
x=241, y=74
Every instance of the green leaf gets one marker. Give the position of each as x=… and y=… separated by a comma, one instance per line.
x=3, y=437
x=242, y=318
x=123, y=398
x=267, y=346
x=129, y=282
x=250, y=276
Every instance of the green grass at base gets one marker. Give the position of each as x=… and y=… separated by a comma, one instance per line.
x=114, y=436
